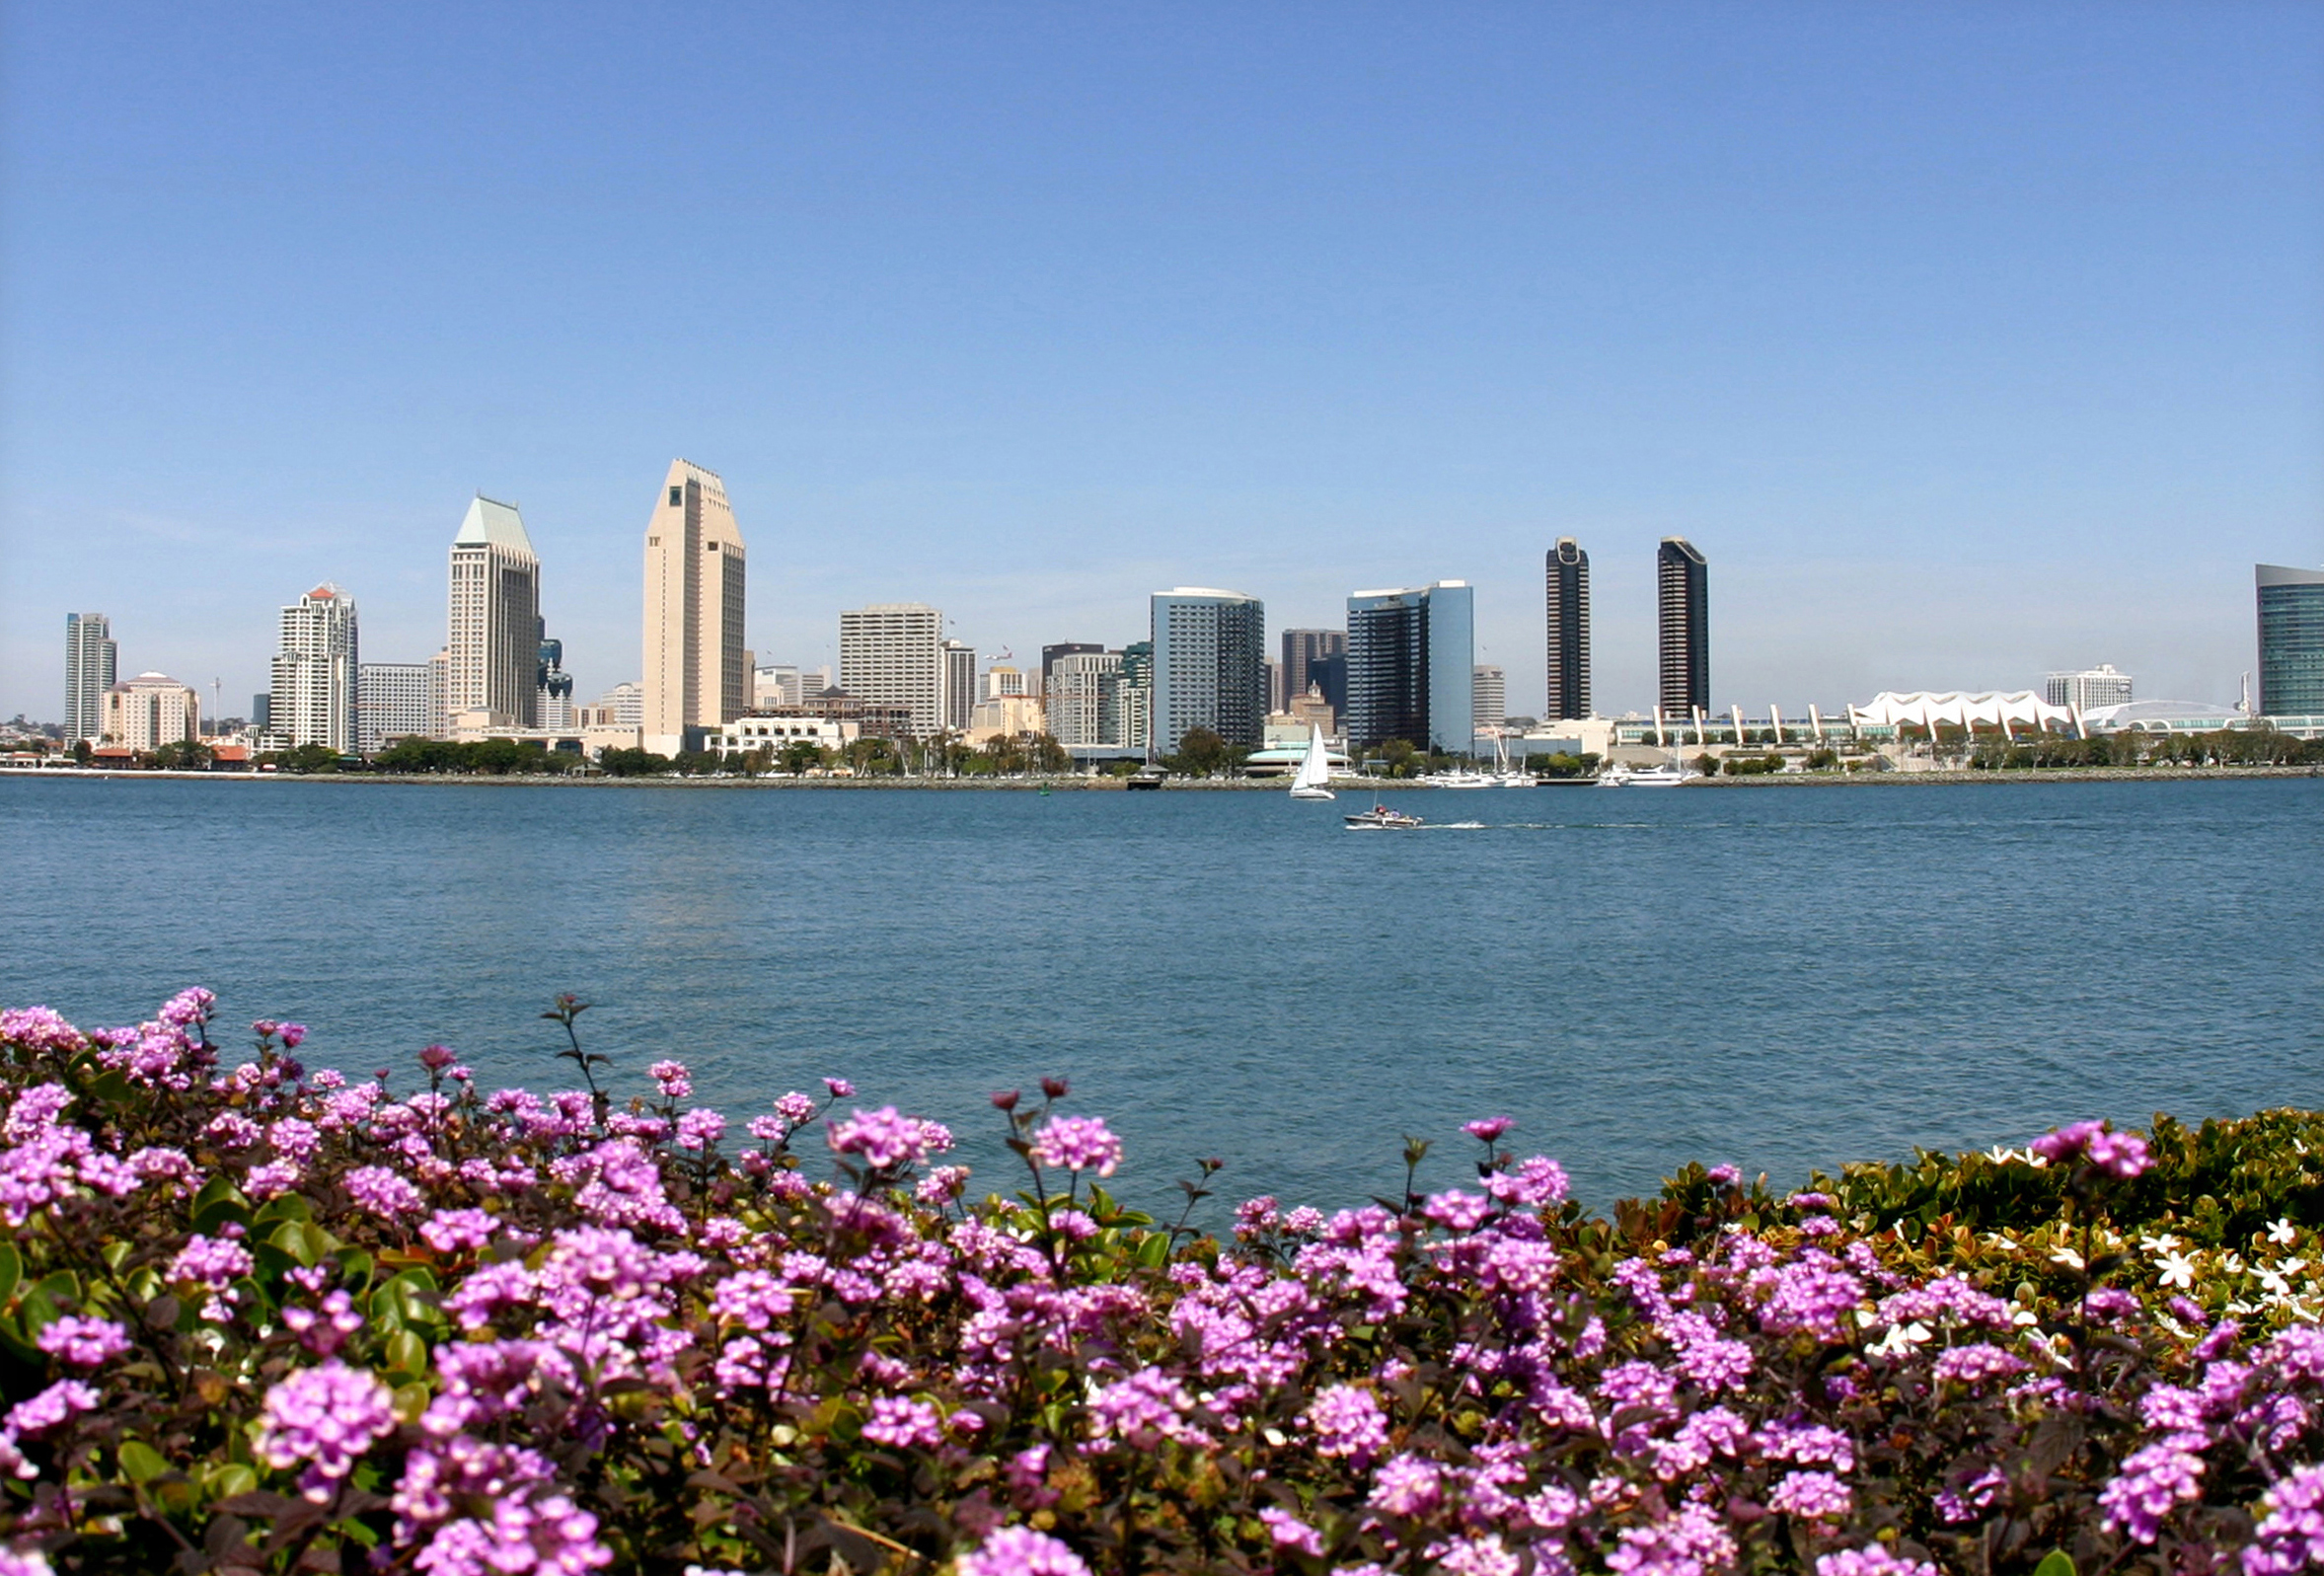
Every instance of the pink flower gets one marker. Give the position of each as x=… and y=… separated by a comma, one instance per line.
x=672, y=1079
x=1077, y=1144
x=840, y=1088
x=1021, y=1551
x=1289, y=1532
x=1811, y=1497
x=885, y=1139
x=83, y=1343
x=905, y=1424
x=1347, y=1421
x=1488, y=1129
x=327, y=1416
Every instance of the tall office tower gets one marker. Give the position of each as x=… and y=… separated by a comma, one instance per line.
x=1130, y=702
x=1318, y=658
x=399, y=703
x=1050, y=655
x=493, y=649
x=150, y=711
x=90, y=658
x=1683, y=603
x=2089, y=688
x=697, y=674
x=960, y=664
x=1489, y=698
x=1001, y=681
x=1276, y=700
x=1080, y=685
x=1569, y=630
x=1209, y=648
x=891, y=654
x=316, y=679
x=1412, y=666
x=262, y=713
x=2291, y=640
x=552, y=701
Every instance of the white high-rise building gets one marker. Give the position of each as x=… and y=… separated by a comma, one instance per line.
x=2089, y=688
x=398, y=702
x=90, y=660
x=1083, y=698
x=960, y=662
x=891, y=654
x=316, y=679
x=697, y=672
x=150, y=711
x=493, y=652
x=1489, y=698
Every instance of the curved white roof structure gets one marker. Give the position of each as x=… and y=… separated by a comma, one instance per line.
x=1965, y=709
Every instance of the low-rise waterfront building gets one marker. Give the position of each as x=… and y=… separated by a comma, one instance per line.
x=398, y=702
x=2088, y=688
x=150, y=711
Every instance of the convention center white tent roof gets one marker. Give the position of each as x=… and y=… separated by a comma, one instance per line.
x=1967, y=710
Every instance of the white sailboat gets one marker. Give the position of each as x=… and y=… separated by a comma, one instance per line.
x=1314, y=775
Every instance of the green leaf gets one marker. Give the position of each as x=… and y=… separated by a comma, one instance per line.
x=2058, y=1562
x=285, y=1207
x=40, y=1310
x=406, y=1354
x=219, y=1202
x=224, y=1482
x=140, y=1462
x=12, y=1271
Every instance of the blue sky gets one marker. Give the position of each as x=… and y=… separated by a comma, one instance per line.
x=1966, y=341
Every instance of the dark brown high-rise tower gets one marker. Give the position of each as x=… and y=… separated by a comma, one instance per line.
x=1682, y=602
x=1569, y=632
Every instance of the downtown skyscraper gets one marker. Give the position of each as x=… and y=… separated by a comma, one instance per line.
x=697, y=670
x=1209, y=651
x=1683, y=621
x=90, y=659
x=893, y=653
x=492, y=637
x=1569, y=632
x=315, y=681
x=1412, y=667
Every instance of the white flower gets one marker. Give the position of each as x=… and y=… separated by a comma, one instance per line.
x=2177, y=1269
x=2165, y=1244
x=2067, y=1257
x=2233, y=1263
x=1899, y=1339
x=2022, y=1316
x=2282, y=1232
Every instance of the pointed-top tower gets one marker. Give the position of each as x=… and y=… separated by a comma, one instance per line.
x=492, y=644
x=696, y=672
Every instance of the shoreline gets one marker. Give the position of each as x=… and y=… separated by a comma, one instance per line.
x=1102, y=784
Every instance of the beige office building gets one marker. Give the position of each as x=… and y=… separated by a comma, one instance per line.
x=150, y=711
x=493, y=651
x=698, y=673
x=891, y=654
x=316, y=678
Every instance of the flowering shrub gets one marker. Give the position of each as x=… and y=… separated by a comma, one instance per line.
x=258, y=1318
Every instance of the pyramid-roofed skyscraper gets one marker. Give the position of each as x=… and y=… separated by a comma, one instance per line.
x=493, y=642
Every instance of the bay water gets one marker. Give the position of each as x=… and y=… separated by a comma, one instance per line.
x=1778, y=977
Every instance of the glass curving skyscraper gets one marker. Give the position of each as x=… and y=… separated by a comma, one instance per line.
x=1412, y=666
x=2291, y=640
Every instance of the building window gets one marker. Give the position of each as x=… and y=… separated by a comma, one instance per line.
x=713, y=547
x=677, y=496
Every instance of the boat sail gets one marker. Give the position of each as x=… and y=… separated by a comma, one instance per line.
x=1315, y=774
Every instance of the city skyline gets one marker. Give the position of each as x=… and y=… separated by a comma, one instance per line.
x=1935, y=352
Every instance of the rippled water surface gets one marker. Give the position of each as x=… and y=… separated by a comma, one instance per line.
x=1778, y=977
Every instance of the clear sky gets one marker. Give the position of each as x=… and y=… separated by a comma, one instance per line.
x=1967, y=341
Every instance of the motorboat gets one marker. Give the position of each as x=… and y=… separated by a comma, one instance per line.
x=1315, y=774
x=1665, y=775
x=1380, y=818
x=1147, y=777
